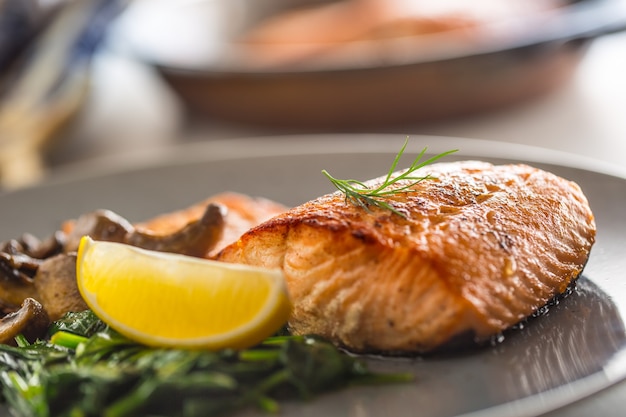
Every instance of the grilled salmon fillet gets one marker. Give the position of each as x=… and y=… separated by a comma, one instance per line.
x=477, y=249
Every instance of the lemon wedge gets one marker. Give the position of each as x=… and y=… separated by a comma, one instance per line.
x=171, y=300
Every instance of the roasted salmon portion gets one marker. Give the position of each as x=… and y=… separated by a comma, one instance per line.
x=474, y=250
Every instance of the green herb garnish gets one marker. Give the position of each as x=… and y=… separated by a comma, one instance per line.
x=359, y=194
x=104, y=374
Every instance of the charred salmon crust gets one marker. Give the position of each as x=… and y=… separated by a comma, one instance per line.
x=479, y=248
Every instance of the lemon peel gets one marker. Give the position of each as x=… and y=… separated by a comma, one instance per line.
x=172, y=300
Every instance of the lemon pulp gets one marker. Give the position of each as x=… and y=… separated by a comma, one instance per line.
x=165, y=299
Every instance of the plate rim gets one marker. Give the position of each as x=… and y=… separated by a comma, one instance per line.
x=303, y=144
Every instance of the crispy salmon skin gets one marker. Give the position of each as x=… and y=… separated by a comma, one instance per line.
x=477, y=249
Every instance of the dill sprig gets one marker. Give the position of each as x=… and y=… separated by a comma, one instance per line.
x=359, y=194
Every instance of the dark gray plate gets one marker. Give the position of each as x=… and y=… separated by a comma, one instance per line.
x=570, y=354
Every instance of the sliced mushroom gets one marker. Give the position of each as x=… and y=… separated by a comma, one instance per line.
x=30, y=320
x=46, y=270
x=21, y=262
x=100, y=225
x=56, y=287
x=39, y=249
x=31, y=246
x=195, y=239
x=15, y=286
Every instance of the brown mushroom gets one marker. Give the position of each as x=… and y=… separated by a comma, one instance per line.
x=56, y=287
x=42, y=249
x=30, y=320
x=19, y=262
x=15, y=285
x=46, y=270
x=195, y=239
x=33, y=247
x=100, y=225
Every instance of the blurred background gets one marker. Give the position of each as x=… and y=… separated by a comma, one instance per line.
x=83, y=79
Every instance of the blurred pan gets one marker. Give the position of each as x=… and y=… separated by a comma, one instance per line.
x=191, y=44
